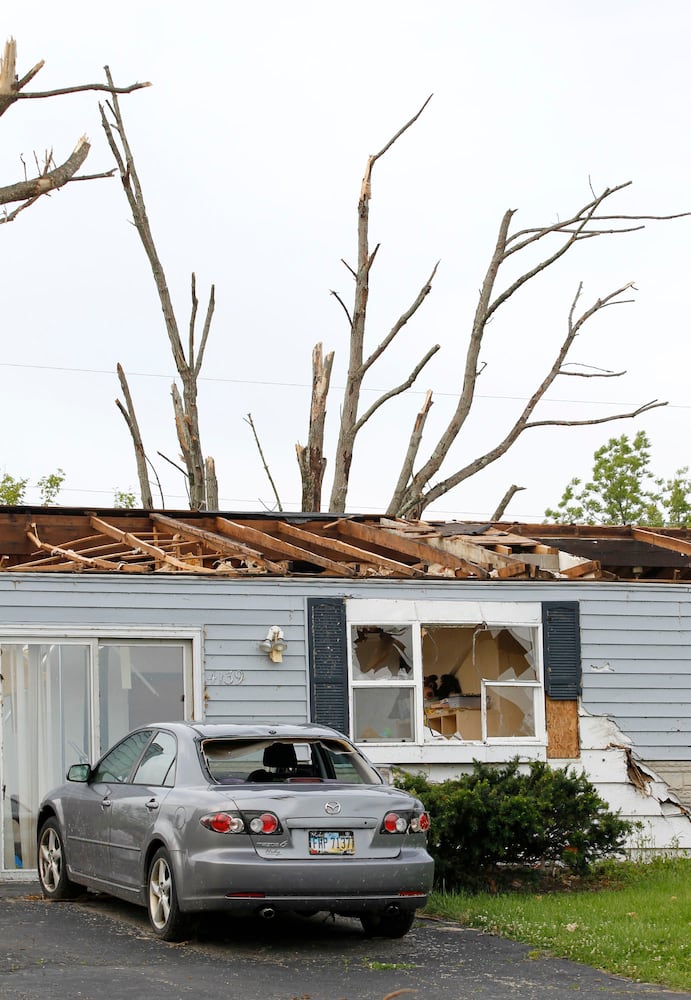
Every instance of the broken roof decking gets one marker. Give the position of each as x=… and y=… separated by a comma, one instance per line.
x=66, y=540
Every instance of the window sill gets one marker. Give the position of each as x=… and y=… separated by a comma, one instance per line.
x=453, y=752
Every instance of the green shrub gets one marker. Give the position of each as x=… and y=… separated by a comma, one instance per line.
x=513, y=816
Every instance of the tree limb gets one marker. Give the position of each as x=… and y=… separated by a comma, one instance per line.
x=49, y=180
x=357, y=368
x=578, y=226
x=248, y=420
x=398, y=389
x=416, y=496
x=185, y=407
x=410, y=456
x=130, y=416
x=401, y=321
x=505, y=501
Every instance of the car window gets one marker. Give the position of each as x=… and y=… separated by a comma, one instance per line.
x=293, y=760
x=157, y=766
x=118, y=763
x=344, y=763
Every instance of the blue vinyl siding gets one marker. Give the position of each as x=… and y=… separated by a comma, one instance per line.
x=635, y=639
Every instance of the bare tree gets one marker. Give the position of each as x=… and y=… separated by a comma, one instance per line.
x=415, y=490
x=50, y=176
x=352, y=422
x=200, y=471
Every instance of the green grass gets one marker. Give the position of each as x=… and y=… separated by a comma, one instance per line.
x=632, y=920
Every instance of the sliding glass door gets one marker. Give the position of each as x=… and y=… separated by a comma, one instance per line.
x=67, y=701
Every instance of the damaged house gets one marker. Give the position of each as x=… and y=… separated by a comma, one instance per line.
x=431, y=645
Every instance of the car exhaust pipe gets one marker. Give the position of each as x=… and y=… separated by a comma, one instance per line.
x=267, y=913
x=392, y=910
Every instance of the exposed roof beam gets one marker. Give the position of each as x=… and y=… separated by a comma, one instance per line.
x=152, y=550
x=680, y=545
x=345, y=549
x=84, y=561
x=219, y=543
x=291, y=551
x=420, y=551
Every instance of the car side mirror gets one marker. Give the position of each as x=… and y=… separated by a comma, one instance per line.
x=79, y=772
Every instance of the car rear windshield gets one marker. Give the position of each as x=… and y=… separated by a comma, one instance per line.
x=231, y=761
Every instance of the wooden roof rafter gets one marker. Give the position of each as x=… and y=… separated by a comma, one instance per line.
x=155, y=551
x=423, y=553
x=313, y=540
x=233, y=529
x=221, y=544
x=83, y=562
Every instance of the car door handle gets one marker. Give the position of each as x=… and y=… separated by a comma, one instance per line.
x=106, y=803
x=152, y=804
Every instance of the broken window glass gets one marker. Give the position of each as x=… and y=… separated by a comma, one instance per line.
x=460, y=664
x=467, y=682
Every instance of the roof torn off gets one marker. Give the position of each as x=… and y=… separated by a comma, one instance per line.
x=67, y=540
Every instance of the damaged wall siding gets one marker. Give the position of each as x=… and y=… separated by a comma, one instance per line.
x=635, y=654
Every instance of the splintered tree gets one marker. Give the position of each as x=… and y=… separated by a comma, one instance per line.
x=50, y=175
x=420, y=481
x=199, y=472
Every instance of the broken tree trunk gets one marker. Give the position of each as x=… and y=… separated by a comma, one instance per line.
x=311, y=457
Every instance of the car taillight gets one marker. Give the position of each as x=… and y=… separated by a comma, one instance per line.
x=394, y=823
x=421, y=823
x=223, y=822
x=265, y=823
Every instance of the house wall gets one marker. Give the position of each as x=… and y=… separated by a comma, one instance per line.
x=635, y=642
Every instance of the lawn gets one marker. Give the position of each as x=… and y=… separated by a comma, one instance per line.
x=629, y=919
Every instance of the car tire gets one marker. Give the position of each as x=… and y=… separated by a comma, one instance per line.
x=167, y=922
x=52, y=864
x=391, y=925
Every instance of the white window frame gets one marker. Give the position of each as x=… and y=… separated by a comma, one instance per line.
x=494, y=614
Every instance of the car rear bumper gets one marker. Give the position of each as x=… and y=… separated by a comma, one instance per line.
x=344, y=885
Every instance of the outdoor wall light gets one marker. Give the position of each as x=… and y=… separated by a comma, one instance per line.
x=274, y=645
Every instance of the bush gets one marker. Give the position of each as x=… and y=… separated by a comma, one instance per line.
x=509, y=816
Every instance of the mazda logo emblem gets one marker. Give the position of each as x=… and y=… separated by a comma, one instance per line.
x=332, y=808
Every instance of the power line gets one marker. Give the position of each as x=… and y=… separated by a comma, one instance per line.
x=308, y=385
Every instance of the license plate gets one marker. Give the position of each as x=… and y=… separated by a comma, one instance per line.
x=332, y=842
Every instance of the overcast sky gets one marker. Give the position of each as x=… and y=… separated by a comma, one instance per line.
x=251, y=145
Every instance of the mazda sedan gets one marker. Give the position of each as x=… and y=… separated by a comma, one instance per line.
x=186, y=818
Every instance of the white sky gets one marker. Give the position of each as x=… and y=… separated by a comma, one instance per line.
x=251, y=146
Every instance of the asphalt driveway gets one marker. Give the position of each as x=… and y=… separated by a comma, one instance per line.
x=99, y=948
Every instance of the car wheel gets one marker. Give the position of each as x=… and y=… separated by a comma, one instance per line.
x=52, y=866
x=162, y=900
x=391, y=925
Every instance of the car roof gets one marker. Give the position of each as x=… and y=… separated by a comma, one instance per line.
x=261, y=730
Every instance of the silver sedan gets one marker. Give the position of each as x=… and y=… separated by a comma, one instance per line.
x=185, y=817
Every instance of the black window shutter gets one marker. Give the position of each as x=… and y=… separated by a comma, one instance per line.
x=562, y=649
x=328, y=662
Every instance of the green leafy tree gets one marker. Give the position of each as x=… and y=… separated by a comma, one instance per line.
x=124, y=499
x=49, y=486
x=13, y=491
x=623, y=490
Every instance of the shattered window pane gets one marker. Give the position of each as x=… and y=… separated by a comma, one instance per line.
x=459, y=662
x=382, y=653
x=465, y=682
x=510, y=711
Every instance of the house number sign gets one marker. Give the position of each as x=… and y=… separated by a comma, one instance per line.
x=225, y=677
